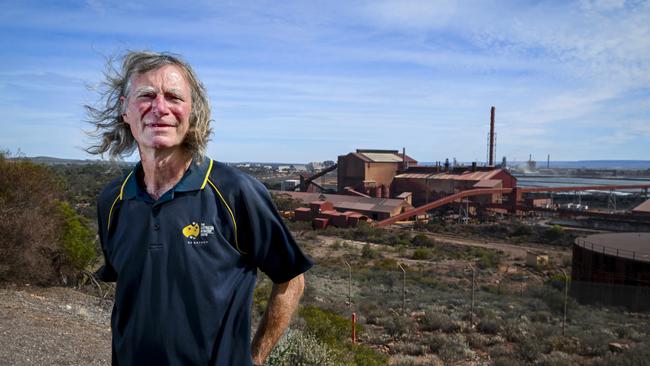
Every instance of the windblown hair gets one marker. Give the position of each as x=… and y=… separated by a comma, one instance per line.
x=113, y=134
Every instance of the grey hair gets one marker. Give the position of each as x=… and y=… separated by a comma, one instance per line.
x=112, y=133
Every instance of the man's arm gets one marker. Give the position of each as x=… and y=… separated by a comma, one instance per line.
x=282, y=303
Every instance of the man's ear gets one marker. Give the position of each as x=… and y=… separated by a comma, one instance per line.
x=122, y=101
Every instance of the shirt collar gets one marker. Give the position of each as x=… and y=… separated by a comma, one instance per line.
x=194, y=179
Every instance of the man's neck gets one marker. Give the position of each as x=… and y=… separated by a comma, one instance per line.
x=163, y=169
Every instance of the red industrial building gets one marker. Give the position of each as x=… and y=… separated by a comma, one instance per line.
x=388, y=173
x=643, y=208
x=371, y=172
x=429, y=184
x=374, y=208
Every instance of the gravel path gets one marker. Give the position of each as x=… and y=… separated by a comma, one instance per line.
x=53, y=326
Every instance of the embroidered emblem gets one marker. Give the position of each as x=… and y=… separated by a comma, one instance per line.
x=191, y=231
x=197, y=234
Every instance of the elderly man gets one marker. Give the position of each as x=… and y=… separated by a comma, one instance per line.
x=183, y=235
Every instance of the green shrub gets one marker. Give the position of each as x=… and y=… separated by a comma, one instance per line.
x=386, y=264
x=398, y=326
x=422, y=240
x=366, y=356
x=43, y=241
x=422, y=253
x=455, y=349
x=521, y=230
x=486, y=258
x=327, y=326
x=299, y=348
x=530, y=349
x=76, y=237
x=333, y=330
x=369, y=252
x=438, y=321
x=552, y=234
x=489, y=326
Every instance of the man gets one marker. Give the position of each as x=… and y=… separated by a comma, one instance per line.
x=181, y=234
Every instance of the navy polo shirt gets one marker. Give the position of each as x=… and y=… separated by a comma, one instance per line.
x=186, y=265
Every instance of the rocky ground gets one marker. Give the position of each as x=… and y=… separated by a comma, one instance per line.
x=53, y=326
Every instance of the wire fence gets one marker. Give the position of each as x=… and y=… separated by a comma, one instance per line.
x=474, y=296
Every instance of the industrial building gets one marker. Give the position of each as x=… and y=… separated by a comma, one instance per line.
x=643, y=208
x=612, y=269
x=371, y=172
x=374, y=208
x=428, y=184
x=389, y=174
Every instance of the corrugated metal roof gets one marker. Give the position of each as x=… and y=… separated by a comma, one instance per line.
x=382, y=157
x=644, y=207
x=345, y=202
x=487, y=183
x=465, y=176
x=414, y=176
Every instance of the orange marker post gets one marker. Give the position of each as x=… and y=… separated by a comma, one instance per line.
x=354, y=328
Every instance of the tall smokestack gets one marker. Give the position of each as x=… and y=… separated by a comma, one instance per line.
x=491, y=161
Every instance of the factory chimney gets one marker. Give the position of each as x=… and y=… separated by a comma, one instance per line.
x=491, y=161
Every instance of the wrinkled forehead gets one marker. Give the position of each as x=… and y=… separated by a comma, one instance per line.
x=164, y=78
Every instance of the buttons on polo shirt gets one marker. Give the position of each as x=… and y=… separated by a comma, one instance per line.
x=156, y=227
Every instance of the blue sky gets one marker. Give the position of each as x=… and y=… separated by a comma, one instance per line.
x=300, y=81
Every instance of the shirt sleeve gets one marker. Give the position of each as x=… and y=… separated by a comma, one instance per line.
x=264, y=236
x=106, y=273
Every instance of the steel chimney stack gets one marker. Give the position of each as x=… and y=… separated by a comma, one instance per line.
x=491, y=160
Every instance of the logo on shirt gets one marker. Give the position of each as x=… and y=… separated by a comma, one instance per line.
x=197, y=234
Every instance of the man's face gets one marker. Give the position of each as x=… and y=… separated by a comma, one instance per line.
x=158, y=108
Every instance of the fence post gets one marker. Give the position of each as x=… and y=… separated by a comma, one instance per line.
x=349, y=283
x=566, y=296
x=471, y=311
x=354, y=328
x=403, y=289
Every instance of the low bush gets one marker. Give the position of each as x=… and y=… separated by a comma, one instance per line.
x=76, y=237
x=489, y=326
x=422, y=240
x=432, y=322
x=44, y=241
x=298, y=348
x=327, y=326
x=455, y=350
x=637, y=355
x=333, y=331
x=555, y=358
x=422, y=254
x=369, y=252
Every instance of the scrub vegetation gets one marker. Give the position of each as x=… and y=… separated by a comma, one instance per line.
x=516, y=318
x=47, y=237
x=43, y=239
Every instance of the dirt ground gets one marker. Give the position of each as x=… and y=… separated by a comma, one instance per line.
x=62, y=326
x=53, y=326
